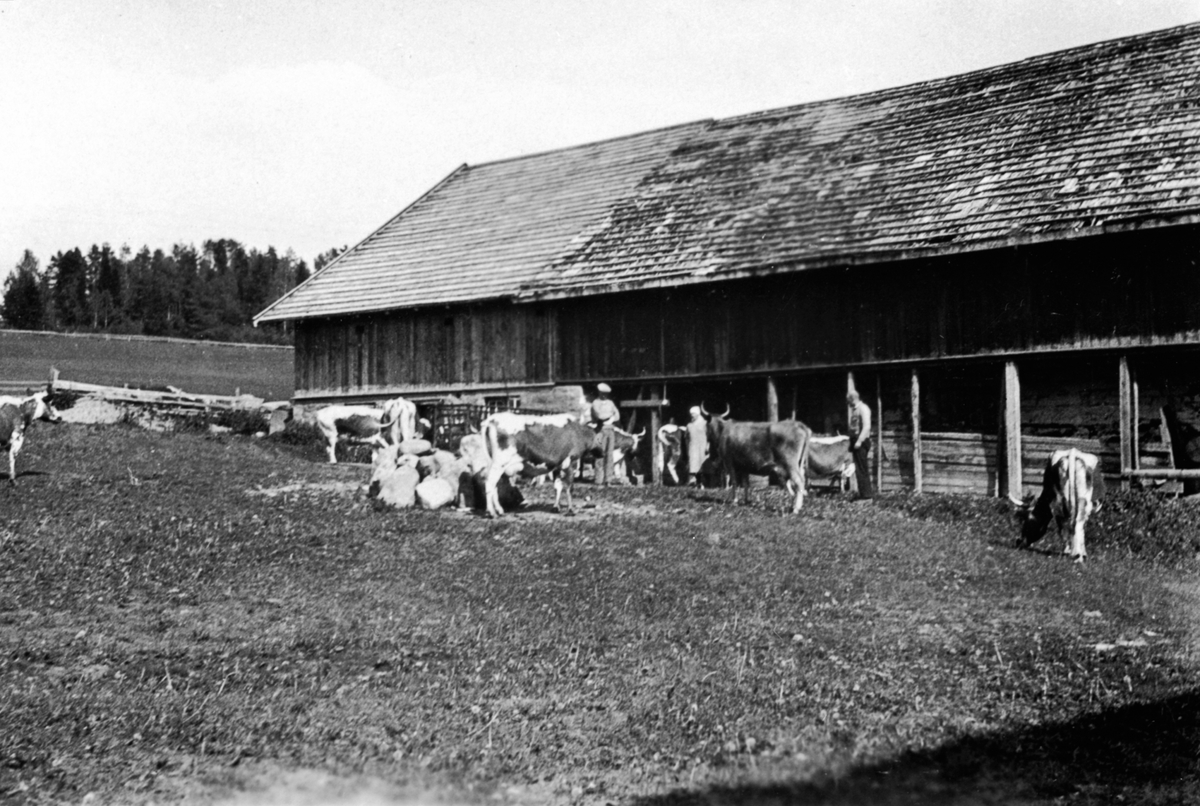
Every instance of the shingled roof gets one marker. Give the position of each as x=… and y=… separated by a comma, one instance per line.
x=1084, y=141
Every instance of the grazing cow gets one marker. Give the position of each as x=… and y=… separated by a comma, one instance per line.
x=760, y=448
x=551, y=441
x=367, y=424
x=16, y=418
x=670, y=436
x=1071, y=487
x=830, y=457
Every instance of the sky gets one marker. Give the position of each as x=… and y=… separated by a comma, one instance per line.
x=307, y=124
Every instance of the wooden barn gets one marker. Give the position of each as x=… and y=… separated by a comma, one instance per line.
x=1001, y=262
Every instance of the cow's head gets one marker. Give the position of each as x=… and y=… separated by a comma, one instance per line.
x=716, y=422
x=1032, y=519
x=38, y=407
x=636, y=438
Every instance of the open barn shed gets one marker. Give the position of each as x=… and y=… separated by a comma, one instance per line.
x=1001, y=262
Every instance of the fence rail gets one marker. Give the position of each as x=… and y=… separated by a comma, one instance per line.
x=450, y=422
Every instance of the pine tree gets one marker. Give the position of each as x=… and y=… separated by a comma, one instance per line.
x=24, y=306
x=70, y=285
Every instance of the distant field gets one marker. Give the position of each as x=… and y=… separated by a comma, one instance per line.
x=214, y=368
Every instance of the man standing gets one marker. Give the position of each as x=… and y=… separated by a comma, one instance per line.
x=605, y=417
x=860, y=444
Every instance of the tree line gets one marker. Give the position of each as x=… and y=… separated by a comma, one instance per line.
x=208, y=293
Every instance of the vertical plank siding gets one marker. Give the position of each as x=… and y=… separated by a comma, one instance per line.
x=446, y=348
x=1101, y=292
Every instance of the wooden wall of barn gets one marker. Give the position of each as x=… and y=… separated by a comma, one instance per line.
x=437, y=350
x=1108, y=292
x=1067, y=399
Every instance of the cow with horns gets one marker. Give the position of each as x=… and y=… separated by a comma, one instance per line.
x=743, y=448
x=625, y=445
x=533, y=444
x=1071, y=487
x=367, y=424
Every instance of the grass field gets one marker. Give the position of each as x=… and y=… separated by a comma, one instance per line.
x=199, y=367
x=190, y=616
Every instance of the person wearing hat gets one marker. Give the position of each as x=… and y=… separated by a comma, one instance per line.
x=697, y=450
x=605, y=417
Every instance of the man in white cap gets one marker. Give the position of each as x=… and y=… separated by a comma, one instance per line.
x=605, y=418
x=697, y=449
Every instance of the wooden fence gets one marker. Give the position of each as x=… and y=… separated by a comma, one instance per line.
x=971, y=463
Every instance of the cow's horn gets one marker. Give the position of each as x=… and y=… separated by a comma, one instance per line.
x=703, y=410
x=639, y=436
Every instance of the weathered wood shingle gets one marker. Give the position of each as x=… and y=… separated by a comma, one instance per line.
x=1094, y=139
x=484, y=231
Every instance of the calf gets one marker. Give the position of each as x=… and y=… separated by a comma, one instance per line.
x=760, y=448
x=397, y=420
x=516, y=441
x=1071, y=487
x=15, y=418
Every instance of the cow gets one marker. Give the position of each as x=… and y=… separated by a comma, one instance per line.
x=743, y=448
x=1071, y=489
x=670, y=436
x=367, y=424
x=15, y=418
x=520, y=442
x=830, y=457
x=625, y=445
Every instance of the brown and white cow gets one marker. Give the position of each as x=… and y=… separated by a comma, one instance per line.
x=760, y=448
x=520, y=443
x=1071, y=488
x=15, y=418
x=393, y=424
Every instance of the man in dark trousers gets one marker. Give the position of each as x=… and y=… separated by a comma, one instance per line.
x=860, y=444
x=604, y=418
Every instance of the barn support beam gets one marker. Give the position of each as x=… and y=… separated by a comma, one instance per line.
x=772, y=401
x=879, y=433
x=1125, y=396
x=916, y=430
x=1013, y=482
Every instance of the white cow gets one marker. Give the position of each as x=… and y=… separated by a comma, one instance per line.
x=397, y=420
x=553, y=442
x=1071, y=489
x=15, y=418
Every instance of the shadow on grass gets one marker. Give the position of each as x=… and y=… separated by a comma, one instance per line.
x=1141, y=753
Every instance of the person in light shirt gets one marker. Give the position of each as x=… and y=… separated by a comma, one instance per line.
x=860, y=444
x=605, y=417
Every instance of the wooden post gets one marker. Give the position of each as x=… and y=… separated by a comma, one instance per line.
x=1014, y=485
x=772, y=401
x=655, y=447
x=879, y=433
x=1125, y=396
x=1135, y=408
x=916, y=431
